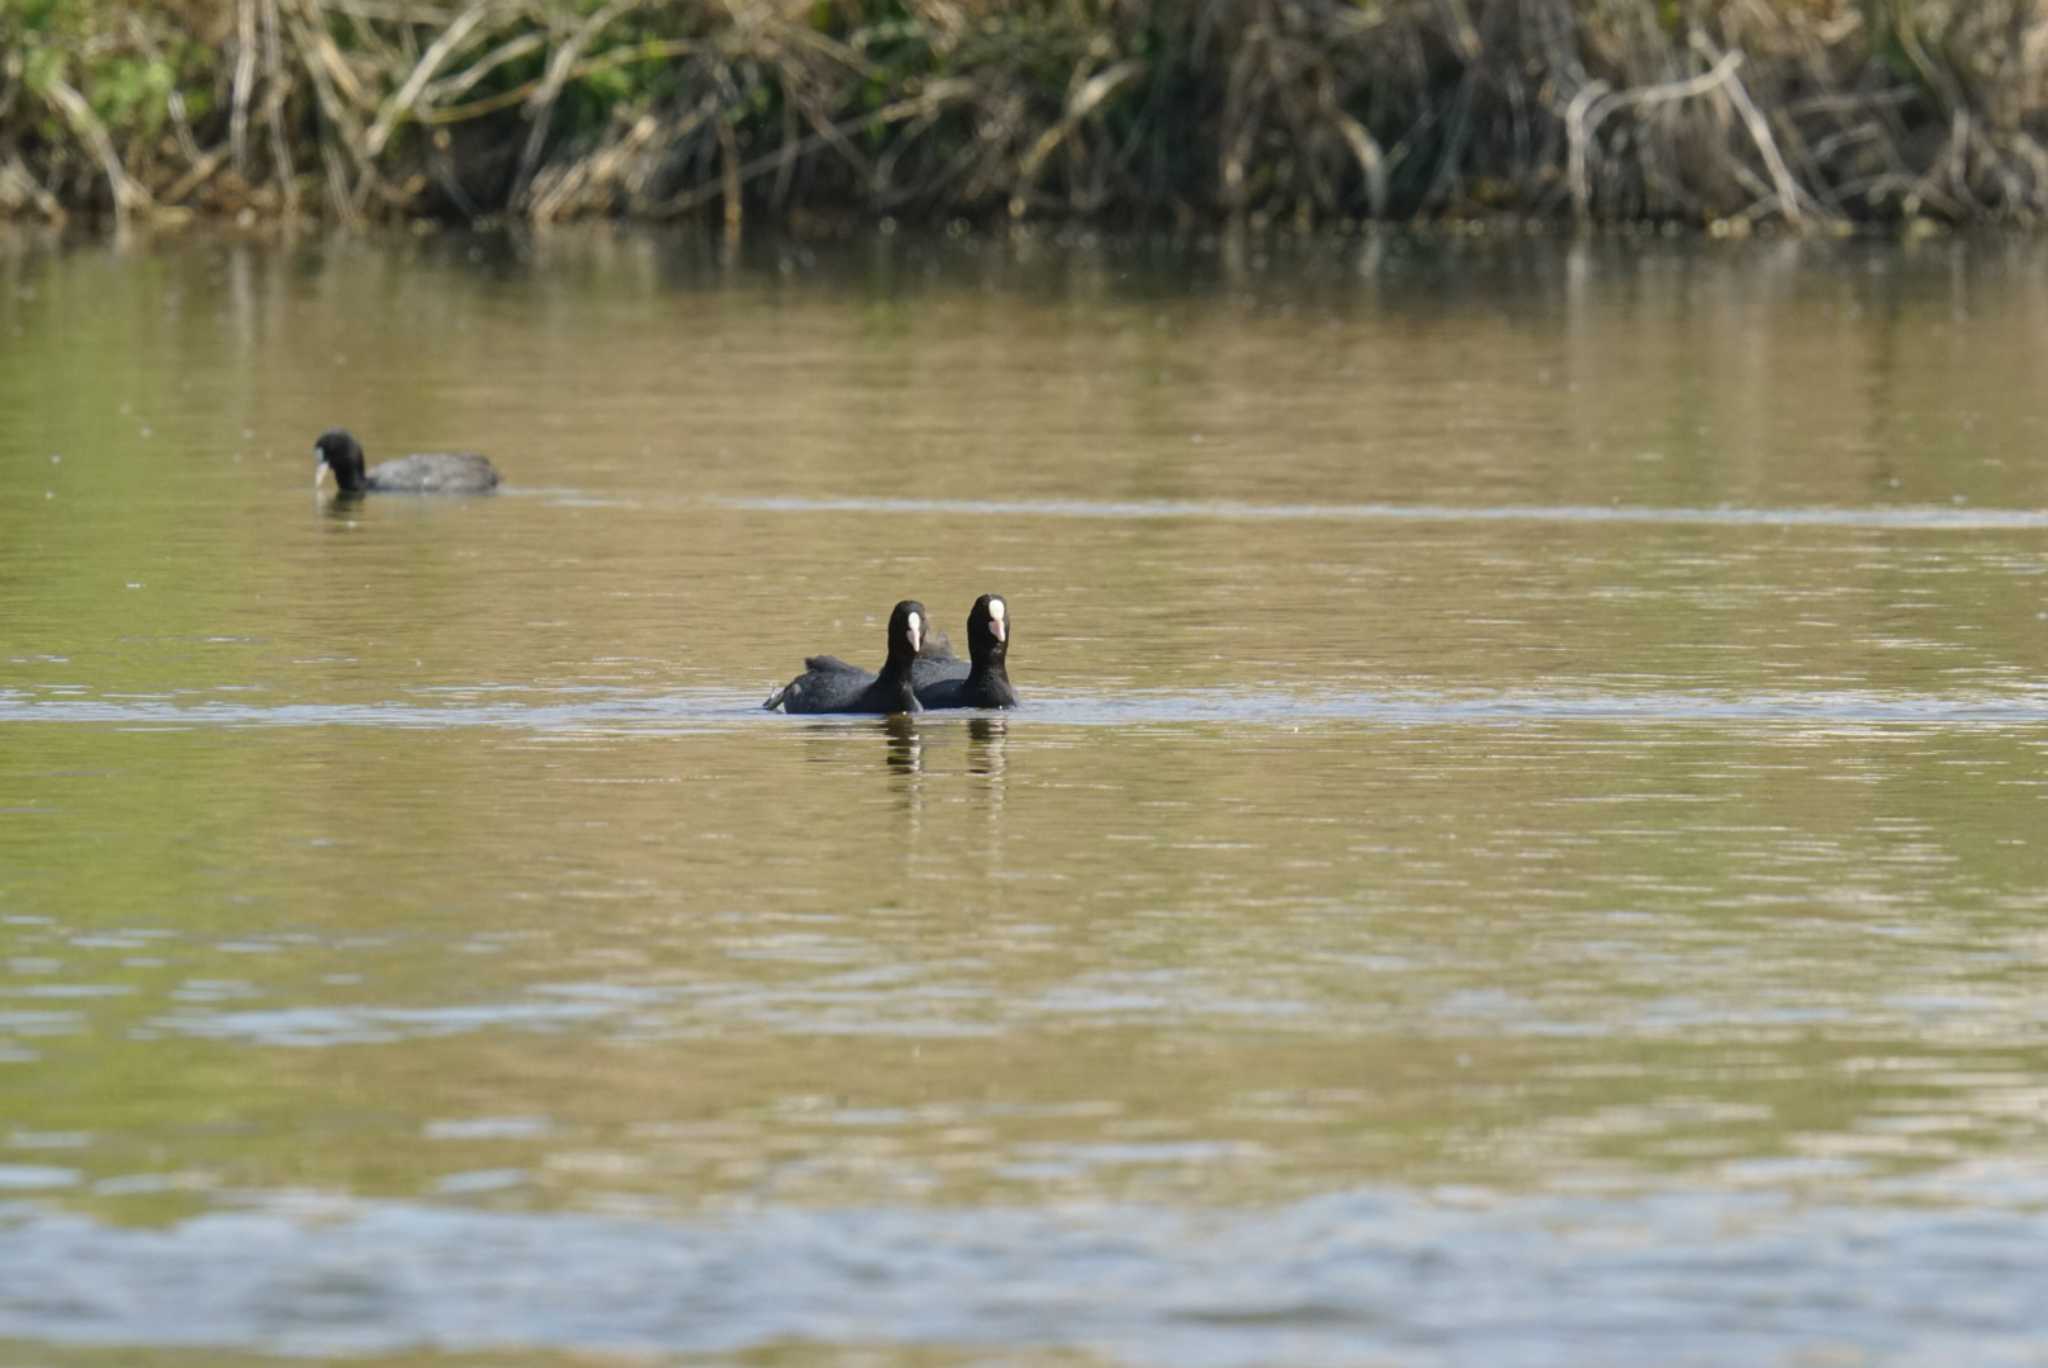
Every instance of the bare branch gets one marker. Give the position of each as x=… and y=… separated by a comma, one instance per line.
x=402, y=100
x=129, y=195
x=1593, y=104
x=1787, y=189
x=1093, y=92
x=542, y=106
x=245, y=80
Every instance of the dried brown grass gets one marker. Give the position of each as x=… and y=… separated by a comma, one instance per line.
x=1813, y=113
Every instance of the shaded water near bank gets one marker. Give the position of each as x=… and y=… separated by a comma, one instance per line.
x=1524, y=844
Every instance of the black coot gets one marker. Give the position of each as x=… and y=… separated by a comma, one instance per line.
x=935, y=663
x=987, y=681
x=829, y=685
x=941, y=679
x=340, y=458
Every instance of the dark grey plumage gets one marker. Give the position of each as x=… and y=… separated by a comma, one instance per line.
x=338, y=454
x=932, y=666
x=830, y=685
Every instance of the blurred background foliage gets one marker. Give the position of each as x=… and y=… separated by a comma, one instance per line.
x=1814, y=113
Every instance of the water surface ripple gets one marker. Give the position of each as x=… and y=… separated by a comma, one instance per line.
x=1956, y=518
x=1342, y=1278
x=720, y=710
x=1524, y=844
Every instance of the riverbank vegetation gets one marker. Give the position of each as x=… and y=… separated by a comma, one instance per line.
x=1809, y=113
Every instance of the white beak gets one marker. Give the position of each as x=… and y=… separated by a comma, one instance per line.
x=916, y=633
x=323, y=475
x=998, y=621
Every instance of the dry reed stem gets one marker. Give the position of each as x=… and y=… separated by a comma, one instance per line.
x=16, y=175
x=512, y=49
x=1787, y=190
x=1080, y=104
x=932, y=100
x=129, y=195
x=200, y=172
x=280, y=90
x=1592, y=104
x=244, y=82
x=402, y=100
x=540, y=109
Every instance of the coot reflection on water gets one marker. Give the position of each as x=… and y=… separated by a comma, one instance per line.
x=339, y=458
x=829, y=685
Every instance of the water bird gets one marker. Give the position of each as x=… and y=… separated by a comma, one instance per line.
x=830, y=685
x=986, y=682
x=939, y=678
x=339, y=458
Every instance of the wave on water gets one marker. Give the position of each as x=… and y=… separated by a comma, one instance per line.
x=1462, y=1276
x=1929, y=518
x=719, y=710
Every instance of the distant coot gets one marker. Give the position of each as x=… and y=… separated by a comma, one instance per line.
x=340, y=458
x=940, y=679
x=829, y=685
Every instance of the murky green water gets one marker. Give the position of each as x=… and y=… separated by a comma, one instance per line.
x=1525, y=845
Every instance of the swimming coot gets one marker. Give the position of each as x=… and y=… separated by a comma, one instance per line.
x=940, y=679
x=340, y=459
x=829, y=685
x=935, y=663
x=987, y=681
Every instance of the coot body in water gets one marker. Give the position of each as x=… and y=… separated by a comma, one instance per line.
x=987, y=681
x=829, y=685
x=935, y=664
x=340, y=458
x=940, y=679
